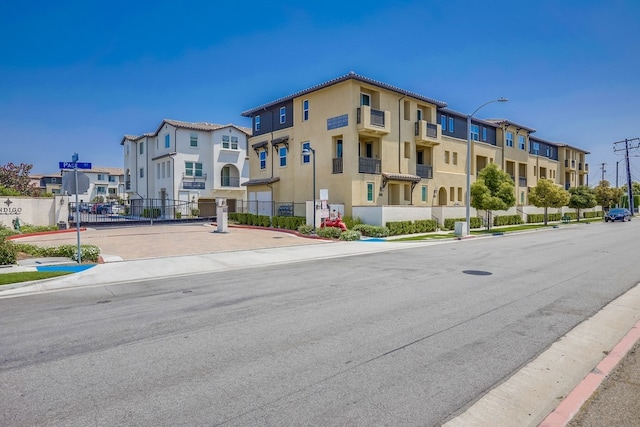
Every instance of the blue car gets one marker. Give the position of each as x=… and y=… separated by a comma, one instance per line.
x=618, y=214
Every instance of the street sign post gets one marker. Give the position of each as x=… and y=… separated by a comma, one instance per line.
x=74, y=165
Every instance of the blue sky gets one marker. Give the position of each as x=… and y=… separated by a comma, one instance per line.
x=75, y=76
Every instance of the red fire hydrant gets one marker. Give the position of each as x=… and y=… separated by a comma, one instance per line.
x=335, y=222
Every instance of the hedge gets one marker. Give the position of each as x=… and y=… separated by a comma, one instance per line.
x=288, y=222
x=151, y=212
x=596, y=214
x=329, y=232
x=507, y=220
x=535, y=218
x=371, y=230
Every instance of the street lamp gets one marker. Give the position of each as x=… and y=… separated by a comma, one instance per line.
x=305, y=152
x=468, y=201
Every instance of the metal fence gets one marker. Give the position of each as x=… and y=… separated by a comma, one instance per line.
x=148, y=211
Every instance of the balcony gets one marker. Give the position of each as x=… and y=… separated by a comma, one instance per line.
x=230, y=181
x=369, y=165
x=522, y=181
x=128, y=185
x=338, y=165
x=570, y=164
x=373, y=122
x=424, y=171
x=426, y=133
x=583, y=167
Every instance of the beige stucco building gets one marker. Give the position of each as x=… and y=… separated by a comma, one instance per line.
x=384, y=153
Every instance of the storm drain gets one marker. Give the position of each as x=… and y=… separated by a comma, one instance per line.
x=477, y=272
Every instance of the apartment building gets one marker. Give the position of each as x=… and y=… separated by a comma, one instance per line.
x=105, y=182
x=386, y=153
x=182, y=162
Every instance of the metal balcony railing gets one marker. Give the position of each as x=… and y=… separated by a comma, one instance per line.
x=424, y=171
x=338, y=165
x=369, y=165
x=230, y=181
x=377, y=117
x=522, y=182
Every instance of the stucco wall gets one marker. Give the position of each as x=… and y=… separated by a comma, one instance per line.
x=34, y=211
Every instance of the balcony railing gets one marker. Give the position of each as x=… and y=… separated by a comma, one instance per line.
x=522, y=181
x=230, y=181
x=128, y=185
x=424, y=171
x=369, y=165
x=370, y=121
x=337, y=165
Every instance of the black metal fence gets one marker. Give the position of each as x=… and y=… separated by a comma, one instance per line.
x=148, y=211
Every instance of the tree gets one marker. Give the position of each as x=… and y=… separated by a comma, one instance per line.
x=548, y=195
x=493, y=190
x=16, y=177
x=607, y=196
x=581, y=197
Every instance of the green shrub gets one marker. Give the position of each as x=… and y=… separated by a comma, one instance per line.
x=350, y=235
x=8, y=252
x=351, y=222
x=287, y=222
x=27, y=228
x=371, y=230
x=401, y=227
x=87, y=252
x=535, y=218
x=596, y=214
x=195, y=212
x=329, y=232
x=425, y=225
x=151, y=212
x=305, y=229
x=178, y=215
x=507, y=220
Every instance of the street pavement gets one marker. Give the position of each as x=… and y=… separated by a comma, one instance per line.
x=608, y=395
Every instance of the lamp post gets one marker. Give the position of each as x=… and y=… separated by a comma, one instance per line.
x=468, y=201
x=305, y=152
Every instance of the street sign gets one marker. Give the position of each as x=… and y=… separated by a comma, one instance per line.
x=69, y=183
x=70, y=165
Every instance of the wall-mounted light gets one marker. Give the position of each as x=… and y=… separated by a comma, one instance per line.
x=61, y=201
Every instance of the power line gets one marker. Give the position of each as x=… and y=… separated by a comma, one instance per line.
x=626, y=154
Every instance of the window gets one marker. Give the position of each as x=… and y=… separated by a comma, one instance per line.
x=443, y=122
x=484, y=134
x=193, y=140
x=365, y=99
x=225, y=176
x=263, y=160
x=536, y=148
x=306, y=158
x=548, y=151
x=141, y=147
x=339, y=148
x=234, y=142
x=168, y=169
x=111, y=179
x=446, y=157
x=475, y=132
x=423, y=193
x=101, y=189
x=256, y=123
x=141, y=172
x=282, y=152
x=305, y=110
x=451, y=124
x=419, y=114
x=509, y=139
x=102, y=177
x=164, y=170
x=225, y=141
x=369, y=191
x=521, y=142
x=193, y=169
x=407, y=150
x=158, y=171
x=454, y=158
x=167, y=141
x=283, y=115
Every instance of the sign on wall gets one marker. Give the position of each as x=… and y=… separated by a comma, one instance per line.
x=337, y=122
x=193, y=185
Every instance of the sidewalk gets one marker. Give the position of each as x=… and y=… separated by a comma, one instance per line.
x=140, y=253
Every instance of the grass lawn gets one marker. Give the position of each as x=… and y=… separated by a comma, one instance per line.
x=26, y=276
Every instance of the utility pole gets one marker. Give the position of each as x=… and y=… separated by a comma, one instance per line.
x=602, y=165
x=626, y=148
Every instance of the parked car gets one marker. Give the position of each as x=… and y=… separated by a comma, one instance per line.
x=618, y=214
x=84, y=207
x=101, y=209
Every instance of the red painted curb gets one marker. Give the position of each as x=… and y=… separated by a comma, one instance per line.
x=571, y=404
x=43, y=233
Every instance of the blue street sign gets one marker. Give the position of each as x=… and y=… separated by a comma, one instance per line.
x=71, y=165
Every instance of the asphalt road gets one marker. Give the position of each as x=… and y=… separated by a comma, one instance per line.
x=407, y=337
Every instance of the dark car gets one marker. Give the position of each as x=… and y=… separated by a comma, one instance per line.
x=618, y=214
x=101, y=209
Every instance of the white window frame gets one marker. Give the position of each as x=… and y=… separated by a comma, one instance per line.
x=226, y=141
x=305, y=110
x=474, y=131
x=167, y=141
x=234, y=142
x=522, y=142
x=263, y=159
x=306, y=158
x=451, y=124
x=282, y=155
x=365, y=99
x=283, y=115
x=256, y=123
x=370, y=192
x=509, y=138
x=193, y=140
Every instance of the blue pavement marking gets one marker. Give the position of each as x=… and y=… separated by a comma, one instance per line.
x=373, y=239
x=69, y=268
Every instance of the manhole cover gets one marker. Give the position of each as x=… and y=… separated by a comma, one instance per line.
x=477, y=272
